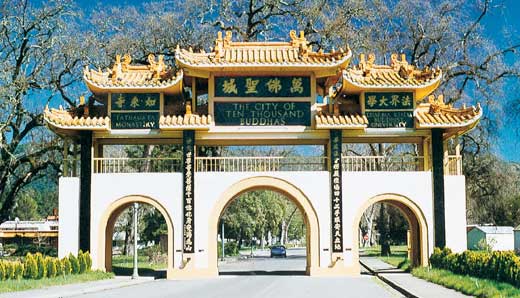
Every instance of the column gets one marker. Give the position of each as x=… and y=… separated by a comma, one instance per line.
x=188, y=158
x=438, y=188
x=336, y=191
x=84, y=192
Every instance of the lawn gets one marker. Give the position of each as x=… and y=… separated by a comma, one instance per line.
x=397, y=258
x=29, y=284
x=123, y=265
x=473, y=286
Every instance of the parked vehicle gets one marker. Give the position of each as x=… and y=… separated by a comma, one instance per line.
x=278, y=251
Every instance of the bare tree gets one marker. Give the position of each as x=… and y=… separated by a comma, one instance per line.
x=39, y=57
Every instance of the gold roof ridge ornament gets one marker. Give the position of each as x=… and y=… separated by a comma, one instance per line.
x=293, y=55
x=156, y=76
x=399, y=76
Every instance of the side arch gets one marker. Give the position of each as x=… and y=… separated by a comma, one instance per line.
x=416, y=221
x=107, y=222
x=267, y=183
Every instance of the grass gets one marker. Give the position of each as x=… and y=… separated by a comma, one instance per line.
x=123, y=265
x=473, y=286
x=29, y=284
x=397, y=258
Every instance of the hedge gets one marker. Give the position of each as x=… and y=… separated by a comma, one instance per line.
x=502, y=266
x=37, y=266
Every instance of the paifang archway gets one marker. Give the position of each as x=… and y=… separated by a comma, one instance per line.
x=107, y=229
x=416, y=221
x=267, y=183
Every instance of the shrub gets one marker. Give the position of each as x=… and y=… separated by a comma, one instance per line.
x=42, y=267
x=231, y=248
x=88, y=258
x=502, y=266
x=66, y=266
x=74, y=264
x=2, y=271
x=31, y=267
x=51, y=267
x=9, y=270
x=82, y=262
x=18, y=270
x=59, y=267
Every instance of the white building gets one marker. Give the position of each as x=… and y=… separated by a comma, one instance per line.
x=498, y=238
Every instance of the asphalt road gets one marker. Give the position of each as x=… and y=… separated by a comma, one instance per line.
x=257, y=277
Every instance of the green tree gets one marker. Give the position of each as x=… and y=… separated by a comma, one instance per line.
x=26, y=208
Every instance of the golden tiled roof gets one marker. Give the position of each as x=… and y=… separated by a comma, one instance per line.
x=156, y=76
x=436, y=114
x=367, y=76
x=295, y=53
x=188, y=121
x=352, y=121
x=64, y=119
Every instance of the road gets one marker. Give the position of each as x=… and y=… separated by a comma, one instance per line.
x=257, y=277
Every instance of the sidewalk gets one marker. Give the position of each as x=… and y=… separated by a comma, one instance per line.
x=415, y=287
x=78, y=288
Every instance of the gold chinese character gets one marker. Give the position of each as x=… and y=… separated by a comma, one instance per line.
x=150, y=102
x=251, y=85
x=120, y=101
x=395, y=100
x=372, y=101
x=383, y=101
x=134, y=103
x=297, y=85
x=274, y=85
x=407, y=101
x=229, y=86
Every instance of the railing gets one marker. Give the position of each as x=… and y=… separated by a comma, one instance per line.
x=382, y=163
x=261, y=164
x=137, y=165
x=453, y=165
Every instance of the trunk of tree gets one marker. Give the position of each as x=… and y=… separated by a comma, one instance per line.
x=289, y=220
x=384, y=231
x=282, y=231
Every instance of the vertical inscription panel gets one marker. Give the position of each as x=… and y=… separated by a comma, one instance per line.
x=336, y=190
x=188, y=204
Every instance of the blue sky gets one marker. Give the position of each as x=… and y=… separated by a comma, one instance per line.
x=509, y=134
x=505, y=16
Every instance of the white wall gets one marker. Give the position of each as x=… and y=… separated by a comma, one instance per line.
x=208, y=189
x=455, y=212
x=166, y=188
x=501, y=241
x=358, y=187
x=68, y=235
x=162, y=187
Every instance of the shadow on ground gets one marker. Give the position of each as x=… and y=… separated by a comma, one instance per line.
x=266, y=273
x=124, y=271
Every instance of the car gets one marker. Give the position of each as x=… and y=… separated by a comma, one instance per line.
x=278, y=251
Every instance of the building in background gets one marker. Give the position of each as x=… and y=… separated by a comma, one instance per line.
x=493, y=237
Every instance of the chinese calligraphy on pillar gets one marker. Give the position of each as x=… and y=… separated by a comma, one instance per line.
x=188, y=158
x=389, y=109
x=262, y=86
x=336, y=190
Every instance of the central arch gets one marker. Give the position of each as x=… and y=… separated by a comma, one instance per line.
x=281, y=186
x=106, y=229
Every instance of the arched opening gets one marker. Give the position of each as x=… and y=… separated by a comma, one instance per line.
x=283, y=188
x=107, y=229
x=407, y=235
